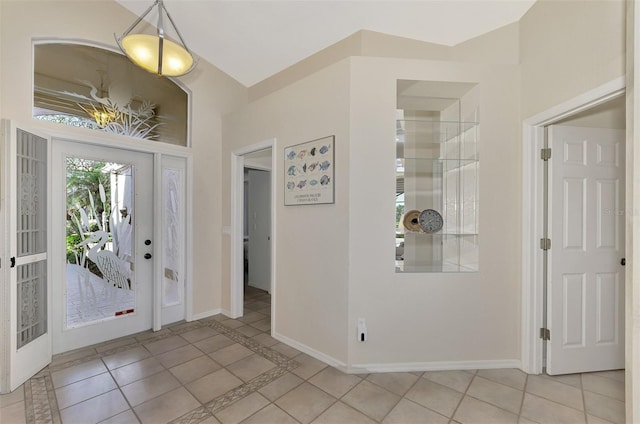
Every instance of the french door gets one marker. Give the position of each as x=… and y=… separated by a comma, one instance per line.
x=25, y=256
x=102, y=227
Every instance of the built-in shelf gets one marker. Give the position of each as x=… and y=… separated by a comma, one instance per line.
x=437, y=166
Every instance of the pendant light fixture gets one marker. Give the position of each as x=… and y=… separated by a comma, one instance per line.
x=155, y=53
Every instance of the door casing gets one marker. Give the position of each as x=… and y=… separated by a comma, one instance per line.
x=159, y=151
x=236, y=233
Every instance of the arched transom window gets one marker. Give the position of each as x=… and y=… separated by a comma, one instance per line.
x=97, y=88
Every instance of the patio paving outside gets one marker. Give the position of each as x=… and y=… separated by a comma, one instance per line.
x=89, y=298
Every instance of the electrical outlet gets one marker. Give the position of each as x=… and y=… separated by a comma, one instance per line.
x=362, y=330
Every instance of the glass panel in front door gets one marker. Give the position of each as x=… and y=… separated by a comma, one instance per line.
x=31, y=241
x=100, y=282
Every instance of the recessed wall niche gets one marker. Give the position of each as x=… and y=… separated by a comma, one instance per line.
x=96, y=88
x=437, y=164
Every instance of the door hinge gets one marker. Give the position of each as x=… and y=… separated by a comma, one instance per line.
x=545, y=243
x=545, y=154
x=545, y=334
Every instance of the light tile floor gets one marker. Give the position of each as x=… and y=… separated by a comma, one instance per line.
x=226, y=371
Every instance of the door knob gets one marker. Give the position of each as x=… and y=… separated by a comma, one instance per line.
x=147, y=255
x=147, y=242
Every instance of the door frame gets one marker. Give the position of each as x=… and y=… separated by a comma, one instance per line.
x=158, y=150
x=236, y=230
x=533, y=214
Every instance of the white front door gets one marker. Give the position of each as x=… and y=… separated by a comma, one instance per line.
x=26, y=227
x=586, y=276
x=102, y=219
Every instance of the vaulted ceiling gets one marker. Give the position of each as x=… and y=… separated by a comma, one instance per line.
x=253, y=39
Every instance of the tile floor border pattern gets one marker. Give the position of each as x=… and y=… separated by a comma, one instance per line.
x=40, y=401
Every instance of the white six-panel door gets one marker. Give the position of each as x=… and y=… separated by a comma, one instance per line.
x=586, y=275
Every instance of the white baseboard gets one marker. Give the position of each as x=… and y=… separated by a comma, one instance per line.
x=399, y=367
x=210, y=313
x=329, y=360
x=434, y=366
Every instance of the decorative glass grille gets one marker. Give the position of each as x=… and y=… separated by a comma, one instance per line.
x=32, y=301
x=32, y=194
x=31, y=228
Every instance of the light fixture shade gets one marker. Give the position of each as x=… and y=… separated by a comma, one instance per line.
x=144, y=51
x=156, y=53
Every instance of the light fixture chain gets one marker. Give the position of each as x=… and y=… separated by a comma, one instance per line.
x=160, y=35
x=140, y=18
x=174, y=26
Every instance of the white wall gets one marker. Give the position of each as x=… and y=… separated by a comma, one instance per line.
x=213, y=94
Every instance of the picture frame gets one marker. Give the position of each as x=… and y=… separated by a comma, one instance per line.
x=309, y=171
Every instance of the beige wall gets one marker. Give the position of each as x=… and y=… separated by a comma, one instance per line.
x=415, y=320
x=498, y=46
x=608, y=115
x=558, y=51
x=568, y=48
x=213, y=93
x=311, y=242
x=335, y=263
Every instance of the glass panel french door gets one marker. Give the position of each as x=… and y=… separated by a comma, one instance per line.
x=25, y=158
x=106, y=226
